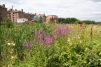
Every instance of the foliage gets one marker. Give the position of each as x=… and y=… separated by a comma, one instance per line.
x=76, y=21
x=67, y=20
x=7, y=23
x=50, y=45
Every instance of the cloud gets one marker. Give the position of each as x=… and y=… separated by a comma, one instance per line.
x=96, y=0
x=81, y=9
x=96, y=13
x=12, y=1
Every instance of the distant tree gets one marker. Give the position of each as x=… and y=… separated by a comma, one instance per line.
x=67, y=20
x=75, y=20
x=6, y=22
x=88, y=22
x=61, y=20
x=78, y=22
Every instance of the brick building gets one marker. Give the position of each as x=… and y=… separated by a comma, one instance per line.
x=3, y=12
x=29, y=16
x=52, y=18
x=43, y=17
x=40, y=17
x=16, y=14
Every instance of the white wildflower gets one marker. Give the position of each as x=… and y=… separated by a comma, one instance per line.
x=13, y=44
x=12, y=57
x=9, y=44
x=78, y=37
x=80, y=41
x=70, y=43
x=68, y=39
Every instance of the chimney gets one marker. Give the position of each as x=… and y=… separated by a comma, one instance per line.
x=35, y=14
x=15, y=9
x=3, y=5
x=10, y=9
x=44, y=14
x=21, y=10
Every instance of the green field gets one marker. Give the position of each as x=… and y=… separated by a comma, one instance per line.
x=51, y=45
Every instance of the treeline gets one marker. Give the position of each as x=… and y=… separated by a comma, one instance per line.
x=75, y=21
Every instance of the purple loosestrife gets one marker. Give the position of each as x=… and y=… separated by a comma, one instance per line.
x=43, y=42
x=48, y=40
x=40, y=36
x=66, y=29
x=62, y=30
x=28, y=45
x=41, y=31
x=36, y=33
x=36, y=36
x=59, y=30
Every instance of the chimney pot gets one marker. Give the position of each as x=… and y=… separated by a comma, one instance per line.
x=3, y=5
x=21, y=10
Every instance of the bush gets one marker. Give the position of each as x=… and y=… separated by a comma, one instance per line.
x=7, y=23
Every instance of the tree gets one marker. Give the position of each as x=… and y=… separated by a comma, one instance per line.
x=7, y=23
x=67, y=20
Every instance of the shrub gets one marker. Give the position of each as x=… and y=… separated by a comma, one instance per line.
x=7, y=23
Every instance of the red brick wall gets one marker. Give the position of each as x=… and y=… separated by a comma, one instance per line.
x=3, y=11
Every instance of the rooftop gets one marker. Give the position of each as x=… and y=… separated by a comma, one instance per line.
x=2, y=6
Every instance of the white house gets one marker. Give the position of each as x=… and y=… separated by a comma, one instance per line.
x=22, y=20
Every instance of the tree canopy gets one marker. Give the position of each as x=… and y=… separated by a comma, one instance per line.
x=75, y=20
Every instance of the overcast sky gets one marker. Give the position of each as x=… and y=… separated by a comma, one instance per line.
x=81, y=9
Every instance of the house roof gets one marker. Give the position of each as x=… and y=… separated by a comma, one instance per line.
x=52, y=15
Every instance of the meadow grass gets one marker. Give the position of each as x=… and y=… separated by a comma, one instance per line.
x=50, y=45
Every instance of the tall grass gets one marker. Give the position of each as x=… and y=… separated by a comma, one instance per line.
x=50, y=45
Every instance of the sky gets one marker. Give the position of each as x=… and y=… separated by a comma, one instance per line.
x=80, y=9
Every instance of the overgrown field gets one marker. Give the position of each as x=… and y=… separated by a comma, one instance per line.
x=51, y=45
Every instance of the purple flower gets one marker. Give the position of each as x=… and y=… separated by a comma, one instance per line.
x=59, y=30
x=28, y=45
x=62, y=30
x=40, y=37
x=36, y=33
x=43, y=42
x=41, y=31
x=48, y=40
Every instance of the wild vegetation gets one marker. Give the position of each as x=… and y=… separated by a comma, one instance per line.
x=50, y=45
x=76, y=21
